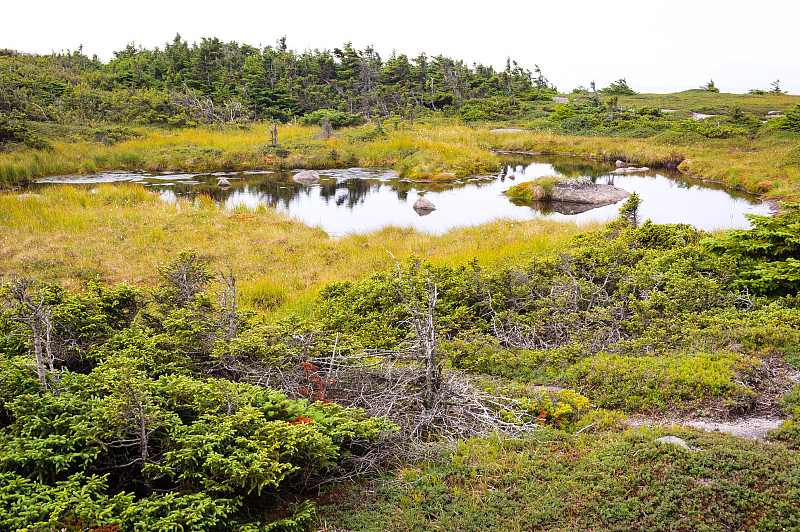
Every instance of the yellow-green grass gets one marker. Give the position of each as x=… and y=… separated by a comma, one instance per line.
x=768, y=164
x=123, y=233
x=419, y=152
x=720, y=102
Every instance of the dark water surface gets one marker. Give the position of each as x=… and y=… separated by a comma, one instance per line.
x=359, y=200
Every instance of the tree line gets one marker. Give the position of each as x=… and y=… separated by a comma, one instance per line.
x=215, y=81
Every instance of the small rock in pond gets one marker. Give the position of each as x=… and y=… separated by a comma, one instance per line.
x=306, y=177
x=630, y=169
x=423, y=206
x=223, y=183
x=621, y=164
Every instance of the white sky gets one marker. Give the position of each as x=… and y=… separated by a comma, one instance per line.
x=657, y=45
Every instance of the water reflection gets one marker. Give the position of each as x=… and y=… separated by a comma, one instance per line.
x=356, y=200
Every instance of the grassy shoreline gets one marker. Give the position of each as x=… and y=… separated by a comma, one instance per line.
x=768, y=164
x=123, y=233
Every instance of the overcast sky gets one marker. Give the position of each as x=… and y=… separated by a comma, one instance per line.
x=657, y=45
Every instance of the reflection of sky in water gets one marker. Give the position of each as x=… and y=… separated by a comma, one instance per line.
x=358, y=200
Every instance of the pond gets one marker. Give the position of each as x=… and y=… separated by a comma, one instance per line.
x=359, y=200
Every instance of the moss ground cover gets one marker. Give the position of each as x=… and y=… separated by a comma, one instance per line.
x=612, y=481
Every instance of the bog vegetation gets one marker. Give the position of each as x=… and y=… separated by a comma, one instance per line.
x=484, y=379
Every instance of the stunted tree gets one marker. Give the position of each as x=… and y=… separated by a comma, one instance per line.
x=629, y=212
x=26, y=304
x=619, y=87
x=710, y=87
x=424, y=337
x=184, y=278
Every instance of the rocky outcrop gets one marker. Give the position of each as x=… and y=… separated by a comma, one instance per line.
x=567, y=196
x=584, y=191
x=423, y=206
x=306, y=177
x=560, y=99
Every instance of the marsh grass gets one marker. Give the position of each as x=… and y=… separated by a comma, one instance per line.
x=123, y=233
x=421, y=152
x=768, y=163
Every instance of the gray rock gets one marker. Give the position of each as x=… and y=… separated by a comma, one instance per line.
x=621, y=164
x=560, y=99
x=306, y=177
x=586, y=192
x=630, y=169
x=423, y=206
x=674, y=440
x=223, y=183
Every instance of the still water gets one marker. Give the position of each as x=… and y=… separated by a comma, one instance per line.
x=359, y=200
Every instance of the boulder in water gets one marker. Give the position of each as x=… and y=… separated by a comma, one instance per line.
x=584, y=191
x=630, y=169
x=223, y=183
x=306, y=177
x=423, y=206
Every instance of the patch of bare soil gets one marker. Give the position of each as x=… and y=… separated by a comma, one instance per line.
x=754, y=424
x=750, y=428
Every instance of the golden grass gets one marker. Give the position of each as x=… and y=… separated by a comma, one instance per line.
x=768, y=164
x=123, y=233
x=418, y=153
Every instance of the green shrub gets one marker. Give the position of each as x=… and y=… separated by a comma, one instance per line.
x=337, y=118
x=662, y=383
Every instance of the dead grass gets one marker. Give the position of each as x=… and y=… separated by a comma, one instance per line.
x=122, y=233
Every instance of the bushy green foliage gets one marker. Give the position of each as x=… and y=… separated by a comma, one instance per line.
x=618, y=87
x=627, y=314
x=14, y=129
x=789, y=431
x=217, y=82
x=133, y=433
x=663, y=383
x=337, y=118
x=789, y=121
x=497, y=108
x=768, y=254
x=371, y=313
